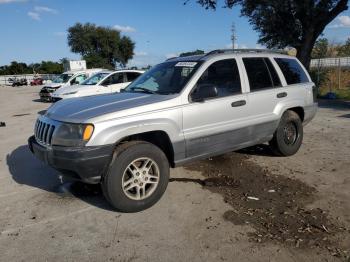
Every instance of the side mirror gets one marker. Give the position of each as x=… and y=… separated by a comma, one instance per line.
x=203, y=92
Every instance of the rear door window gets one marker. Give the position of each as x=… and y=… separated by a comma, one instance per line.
x=261, y=74
x=116, y=78
x=292, y=71
x=131, y=76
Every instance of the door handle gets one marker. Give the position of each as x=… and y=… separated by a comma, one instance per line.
x=238, y=103
x=283, y=94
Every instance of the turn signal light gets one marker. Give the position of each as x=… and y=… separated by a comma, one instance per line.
x=89, y=129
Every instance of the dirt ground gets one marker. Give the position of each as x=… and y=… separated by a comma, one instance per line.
x=242, y=206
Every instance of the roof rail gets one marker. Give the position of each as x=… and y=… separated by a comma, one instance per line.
x=224, y=51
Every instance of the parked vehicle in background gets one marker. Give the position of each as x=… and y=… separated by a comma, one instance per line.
x=19, y=82
x=36, y=81
x=10, y=80
x=68, y=78
x=103, y=82
x=184, y=109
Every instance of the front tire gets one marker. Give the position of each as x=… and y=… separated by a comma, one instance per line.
x=137, y=177
x=288, y=137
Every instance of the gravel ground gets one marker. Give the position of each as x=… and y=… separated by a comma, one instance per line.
x=243, y=206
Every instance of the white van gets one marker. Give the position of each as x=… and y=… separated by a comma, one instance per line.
x=67, y=79
x=103, y=82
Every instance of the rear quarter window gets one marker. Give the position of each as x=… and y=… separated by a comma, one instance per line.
x=292, y=71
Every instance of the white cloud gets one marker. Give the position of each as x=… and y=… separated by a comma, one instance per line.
x=38, y=10
x=125, y=29
x=343, y=21
x=34, y=16
x=42, y=9
x=141, y=53
x=11, y=1
x=171, y=55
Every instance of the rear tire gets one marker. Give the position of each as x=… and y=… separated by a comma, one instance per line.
x=137, y=177
x=288, y=136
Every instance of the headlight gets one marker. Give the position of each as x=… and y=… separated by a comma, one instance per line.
x=74, y=135
x=70, y=93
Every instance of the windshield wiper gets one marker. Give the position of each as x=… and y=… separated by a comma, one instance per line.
x=142, y=89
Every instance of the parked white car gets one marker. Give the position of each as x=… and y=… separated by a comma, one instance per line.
x=103, y=82
x=67, y=79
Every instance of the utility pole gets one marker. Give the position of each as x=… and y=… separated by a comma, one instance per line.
x=233, y=35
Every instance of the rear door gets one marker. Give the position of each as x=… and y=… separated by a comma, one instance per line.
x=265, y=89
x=298, y=85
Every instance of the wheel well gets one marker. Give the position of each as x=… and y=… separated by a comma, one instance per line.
x=299, y=110
x=158, y=138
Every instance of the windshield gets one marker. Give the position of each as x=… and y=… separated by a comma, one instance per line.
x=63, y=78
x=95, y=79
x=166, y=78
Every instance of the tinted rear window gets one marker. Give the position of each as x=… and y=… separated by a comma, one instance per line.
x=131, y=76
x=292, y=71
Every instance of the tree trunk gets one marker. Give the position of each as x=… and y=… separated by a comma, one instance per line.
x=305, y=49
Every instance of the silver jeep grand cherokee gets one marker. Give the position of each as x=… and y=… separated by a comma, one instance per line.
x=184, y=109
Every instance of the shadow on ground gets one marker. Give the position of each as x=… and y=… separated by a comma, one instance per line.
x=26, y=169
x=258, y=150
x=334, y=104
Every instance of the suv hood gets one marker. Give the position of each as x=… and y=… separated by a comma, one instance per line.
x=68, y=89
x=84, y=109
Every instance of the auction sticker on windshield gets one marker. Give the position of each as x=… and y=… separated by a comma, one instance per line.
x=186, y=64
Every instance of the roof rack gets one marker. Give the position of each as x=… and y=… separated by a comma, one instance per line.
x=224, y=51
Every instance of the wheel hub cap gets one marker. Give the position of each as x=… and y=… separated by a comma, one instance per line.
x=140, y=178
x=290, y=134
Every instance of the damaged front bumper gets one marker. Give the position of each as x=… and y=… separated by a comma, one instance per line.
x=86, y=164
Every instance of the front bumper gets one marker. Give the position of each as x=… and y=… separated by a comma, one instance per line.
x=86, y=164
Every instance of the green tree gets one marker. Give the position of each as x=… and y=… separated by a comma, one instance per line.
x=16, y=68
x=197, y=52
x=100, y=46
x=49, y=67
x=320, y=49
x=292, y=23
x=344, y=50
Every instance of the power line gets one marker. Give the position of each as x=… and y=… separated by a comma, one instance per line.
x=233, y=35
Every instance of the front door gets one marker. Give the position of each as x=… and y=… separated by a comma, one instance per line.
x=219, y=123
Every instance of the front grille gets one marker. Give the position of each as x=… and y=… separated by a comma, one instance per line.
x=43, y=132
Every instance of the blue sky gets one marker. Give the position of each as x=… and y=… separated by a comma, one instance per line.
x=160, y=28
